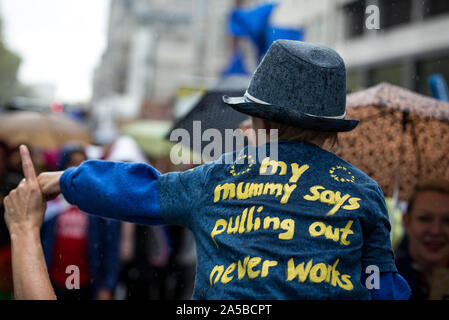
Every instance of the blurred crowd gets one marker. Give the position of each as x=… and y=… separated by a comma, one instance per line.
x=102, y=259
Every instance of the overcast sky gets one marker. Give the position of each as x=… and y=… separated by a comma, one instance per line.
x=60, y=42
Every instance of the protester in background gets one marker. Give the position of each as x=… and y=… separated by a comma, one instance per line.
x=8, y=181
x=72, y=238
x=423, y=256
x=145, y=251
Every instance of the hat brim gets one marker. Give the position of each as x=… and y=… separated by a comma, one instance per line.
x=289, y=116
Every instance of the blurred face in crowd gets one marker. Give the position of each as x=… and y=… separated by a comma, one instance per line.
x=14, y=160
x=76, y=158
x=427, y=224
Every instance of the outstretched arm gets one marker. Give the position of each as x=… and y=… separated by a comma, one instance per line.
x=122, y=191
x=24, y=214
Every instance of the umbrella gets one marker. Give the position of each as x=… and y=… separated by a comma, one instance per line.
x=402, y=137
x=41, y=130
x=213, y=113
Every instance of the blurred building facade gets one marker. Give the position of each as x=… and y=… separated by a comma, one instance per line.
x=411, y=43
x=155, y=47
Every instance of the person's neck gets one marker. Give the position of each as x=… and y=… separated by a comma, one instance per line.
x=266, y=139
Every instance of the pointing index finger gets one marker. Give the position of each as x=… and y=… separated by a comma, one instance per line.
x=27, y=164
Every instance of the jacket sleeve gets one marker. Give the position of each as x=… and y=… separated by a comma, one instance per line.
x=392, y=286
x=376, y=228
x=115, y=190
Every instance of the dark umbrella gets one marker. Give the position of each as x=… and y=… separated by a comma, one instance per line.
x=213, y=113
x=402, y=138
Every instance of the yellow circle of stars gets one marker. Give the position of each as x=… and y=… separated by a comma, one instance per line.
x=251, y=162
x=341, y=174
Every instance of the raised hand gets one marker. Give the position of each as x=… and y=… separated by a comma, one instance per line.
x=24, y=214
x=25, y=205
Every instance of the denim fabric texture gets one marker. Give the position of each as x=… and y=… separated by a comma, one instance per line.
x=308, y=231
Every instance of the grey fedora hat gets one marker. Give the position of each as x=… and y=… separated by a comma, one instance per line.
x=300, y=84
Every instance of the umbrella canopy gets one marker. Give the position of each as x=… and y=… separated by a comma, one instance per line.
x=41, y=130
x=402, y=138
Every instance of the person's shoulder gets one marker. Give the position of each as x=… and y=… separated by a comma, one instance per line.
x=328, y=162
x=359, y=177
x=367, y=185
x=356, y=179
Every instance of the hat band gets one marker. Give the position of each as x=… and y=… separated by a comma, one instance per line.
x=253, y=99
x=343, y=116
